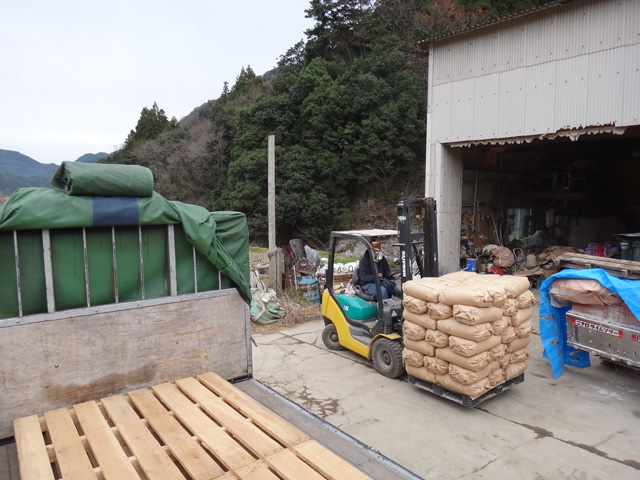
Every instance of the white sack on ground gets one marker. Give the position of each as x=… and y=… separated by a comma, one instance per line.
x=437, y=338
x=422, y=319
x=414, y=305
x=473, y=315
x=413, y=331
x=411, y=357
x=469, y=348
x=476, y=333
x=436, y=365
x=420, y=346
x=474, y=363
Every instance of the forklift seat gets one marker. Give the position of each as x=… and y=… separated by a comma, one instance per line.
x=358, y=288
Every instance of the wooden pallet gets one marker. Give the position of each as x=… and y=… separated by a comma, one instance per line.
x=613, y=266
x=196, y=428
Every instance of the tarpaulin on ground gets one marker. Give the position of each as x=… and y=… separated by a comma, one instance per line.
x=553, y=327
x=106, y=180
x=222, y=237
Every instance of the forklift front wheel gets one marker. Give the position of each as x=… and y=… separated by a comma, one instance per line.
x=387, y=357
x=330, y=337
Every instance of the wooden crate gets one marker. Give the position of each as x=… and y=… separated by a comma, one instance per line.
x=196, y=428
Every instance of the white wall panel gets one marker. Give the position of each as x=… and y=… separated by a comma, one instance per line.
x=510, y=53
x=571, y=92
x=540, y=99
x=486, y=54
x=631, y=95
x=539, y=38
x=512, y=103
x=486, y=106
x=632, y=23
x=605, y=22
x=441, y=109
x=604, y=84
x=462, y=105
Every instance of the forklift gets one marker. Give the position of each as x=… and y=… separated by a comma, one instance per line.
x=373, y=328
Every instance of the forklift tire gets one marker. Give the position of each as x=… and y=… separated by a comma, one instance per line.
x=330, y=337
x=387, y=357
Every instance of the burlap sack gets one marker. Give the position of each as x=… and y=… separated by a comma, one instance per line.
x=510, y=307
x=423, y=319
x=526, y=300
x=504, y=361
x=497, y=352
x=522, y=316
x=421, y=373
x=467, y=294
x=473, y=315
x=436, y=365
x=414, y=305
x=524, y=329
x=508, y=335
x=474, y=363
x=428, y=288
x=515, y=369
x=413, y=331
x=437, y=338
x=474, y=390
x=496, y=377
x=519, y=355
x=477, y=333
x=518, y=343
x=469, y=348
x=420, y=346
x=410, y=357
x=500, y=324
x=467, y=377
x=439, y=311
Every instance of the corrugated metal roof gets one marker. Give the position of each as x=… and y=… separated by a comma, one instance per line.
x=552, y=4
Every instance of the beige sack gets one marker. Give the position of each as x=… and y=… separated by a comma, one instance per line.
x=477, y=333
x=504, y=361
x=474, y=363
x=474, y=390
x=513, y=285
x=508, y=335
x=467, y=377
x=524, y=329
x=518, y=343
x=526, y=300
x=566, y=291
x=522, y=316
x=473, y=315
x=496, y=377
x=519, y=355
x=515, y=369
x=413, y=331
x=420, y=346
x=423, y=319
x=436, y=365
x=410, y=357
x=497, y=352
x=467, y=294
x=461, y=276
x=428, y=288
x=500, y=324
x=439, y=311
x=469, y=348
x=437, y=338
x=414, y=305
x=510, y=307
x=421, y=373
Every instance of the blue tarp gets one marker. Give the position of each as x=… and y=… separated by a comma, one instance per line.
x=553, y=327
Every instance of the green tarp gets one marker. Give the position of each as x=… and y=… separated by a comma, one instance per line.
x=222, y=237
x=105, y=180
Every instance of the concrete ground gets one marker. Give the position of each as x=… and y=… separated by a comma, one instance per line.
x=582, y=425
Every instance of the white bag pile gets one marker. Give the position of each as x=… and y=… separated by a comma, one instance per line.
x=465, y=331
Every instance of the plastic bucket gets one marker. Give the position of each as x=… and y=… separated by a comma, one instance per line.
x=472, y=265
x=310, y=289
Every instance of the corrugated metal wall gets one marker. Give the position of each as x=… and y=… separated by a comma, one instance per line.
x=572, y=66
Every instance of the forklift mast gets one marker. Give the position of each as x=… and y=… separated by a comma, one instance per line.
x=421, y=209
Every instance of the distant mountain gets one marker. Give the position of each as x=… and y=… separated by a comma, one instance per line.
x=91, y=157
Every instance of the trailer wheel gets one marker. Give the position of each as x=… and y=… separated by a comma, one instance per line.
x=330, y=337
x=387, y=358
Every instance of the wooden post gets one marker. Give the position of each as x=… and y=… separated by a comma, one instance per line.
x=274, y=271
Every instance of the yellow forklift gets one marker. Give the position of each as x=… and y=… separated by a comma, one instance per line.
x=373, y=328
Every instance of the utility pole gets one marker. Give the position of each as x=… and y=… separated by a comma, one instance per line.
x=276, y=259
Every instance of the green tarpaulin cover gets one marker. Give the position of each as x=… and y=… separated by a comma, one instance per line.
x=222, y=237
x=107, y=180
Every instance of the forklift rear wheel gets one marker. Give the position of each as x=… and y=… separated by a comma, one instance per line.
x=387, y=358
x=330, y=337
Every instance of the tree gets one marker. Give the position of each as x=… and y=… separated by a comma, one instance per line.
x=151, y=124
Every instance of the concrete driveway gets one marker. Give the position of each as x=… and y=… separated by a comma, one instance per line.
x=583, y=425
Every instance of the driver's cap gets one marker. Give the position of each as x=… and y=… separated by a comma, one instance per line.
x=376, y=246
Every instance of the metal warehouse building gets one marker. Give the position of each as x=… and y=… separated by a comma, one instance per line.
x=533, y=127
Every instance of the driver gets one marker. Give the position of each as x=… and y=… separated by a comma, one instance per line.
x=367, y=277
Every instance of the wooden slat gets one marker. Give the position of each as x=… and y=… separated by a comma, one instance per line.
x=262, y=416
x=256, y=471
x=32, y=452
x=224, y=448
x=243, y=429
x=104, y=445
x=619, y=268
x=184, y=447
x=290, y=467
x=330, y=465
x=71, y=456
x=153, y=459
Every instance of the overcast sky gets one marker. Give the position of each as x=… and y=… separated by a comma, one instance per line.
x=75, y=74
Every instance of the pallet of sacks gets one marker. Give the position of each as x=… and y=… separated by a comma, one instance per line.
x=467, y=332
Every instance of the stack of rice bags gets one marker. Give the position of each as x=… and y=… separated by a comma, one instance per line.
x=465, y=331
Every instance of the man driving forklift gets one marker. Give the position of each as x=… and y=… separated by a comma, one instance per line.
x=368, y=278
